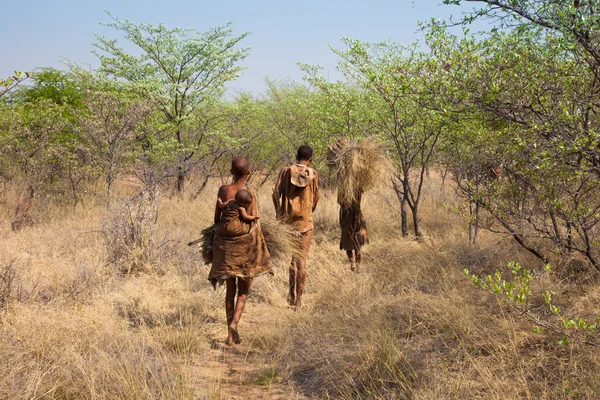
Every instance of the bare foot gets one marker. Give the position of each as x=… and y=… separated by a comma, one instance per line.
x=291, y=301
x=229, y=341
x=235, y=335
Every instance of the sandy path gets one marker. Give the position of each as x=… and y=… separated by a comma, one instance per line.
x=239, y=372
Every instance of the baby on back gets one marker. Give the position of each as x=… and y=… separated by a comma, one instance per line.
x=235, y=220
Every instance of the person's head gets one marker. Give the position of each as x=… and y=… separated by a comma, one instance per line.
x=240, y=167
x=243, y=198
x=305, y=153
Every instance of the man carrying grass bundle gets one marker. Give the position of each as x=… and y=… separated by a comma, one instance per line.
x=239, y=250
x=295, y=196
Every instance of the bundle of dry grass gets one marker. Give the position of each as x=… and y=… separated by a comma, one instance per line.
x=280, y=238
x=357, y=166
x=208, y=236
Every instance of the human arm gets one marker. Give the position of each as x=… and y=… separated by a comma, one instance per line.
x=277, y=190
x=222, y=205
x=247, y=217
x=316, y=194
x=220, y=194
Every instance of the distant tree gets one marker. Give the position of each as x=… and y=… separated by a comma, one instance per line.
x=109, y=129
x=8, y=84
x=60, y=87
x=33, y=143
x=180, y=69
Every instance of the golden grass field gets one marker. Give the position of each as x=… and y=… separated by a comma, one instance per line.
x=139, y=320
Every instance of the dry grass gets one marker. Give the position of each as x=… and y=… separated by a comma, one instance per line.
x=280, y=238
x=357, y=166
x=410, y=325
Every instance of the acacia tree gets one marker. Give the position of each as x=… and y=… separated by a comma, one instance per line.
x=35, y=143
x=181, y=70
x=109, y=127
x=536, y=85
x=55, y=95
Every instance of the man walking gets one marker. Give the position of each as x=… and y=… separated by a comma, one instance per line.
x=296, y=195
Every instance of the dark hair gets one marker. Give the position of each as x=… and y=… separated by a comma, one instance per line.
x=243, y=196
x=240, y=167
x=305, y=153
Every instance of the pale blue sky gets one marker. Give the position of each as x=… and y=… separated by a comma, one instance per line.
x=283, y=32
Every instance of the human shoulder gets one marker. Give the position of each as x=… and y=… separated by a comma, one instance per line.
x=223, y=189
x=223, y=192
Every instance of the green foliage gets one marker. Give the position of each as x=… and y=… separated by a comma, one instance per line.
x=518, y=293
x=8, y=84
x=40, y=149
x=60, y=87
x=180, y=70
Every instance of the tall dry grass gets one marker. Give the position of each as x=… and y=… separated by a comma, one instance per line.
x=78, y=322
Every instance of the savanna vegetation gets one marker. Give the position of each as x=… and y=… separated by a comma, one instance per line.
x=482, y=276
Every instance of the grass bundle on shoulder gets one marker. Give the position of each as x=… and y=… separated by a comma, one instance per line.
x=357, y=166
x=208, y=236
x=281, y=240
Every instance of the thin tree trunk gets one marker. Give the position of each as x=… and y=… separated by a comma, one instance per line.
x=202, y=187
x=477, y=205
x=180, y=179
x=405, y=190
x=404, y=217
x=569, y=237
x=180, y=167
x=471, y=212
x=415, y=215
x=402, y=199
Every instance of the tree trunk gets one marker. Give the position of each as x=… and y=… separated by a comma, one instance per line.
x=404, y=217
x=202, y=187
x=477, y=205
x=471, y=212
x=569, y=237
x=403, y=200
x=405, y=190
x=415, y=215
x=180, y=179
x=181, y=166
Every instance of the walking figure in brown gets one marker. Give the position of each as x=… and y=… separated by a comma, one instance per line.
x=295, y=196
x=354, y=229
x=355, y=166
x=239, y=250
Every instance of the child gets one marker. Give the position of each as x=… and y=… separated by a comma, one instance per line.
x=235, y=220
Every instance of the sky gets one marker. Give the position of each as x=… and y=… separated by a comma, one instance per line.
x=283, y=32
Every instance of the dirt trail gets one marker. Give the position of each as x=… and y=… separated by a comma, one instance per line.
x=239, y=372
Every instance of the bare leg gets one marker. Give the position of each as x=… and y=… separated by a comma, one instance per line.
x=357, y=258
x=230, y=307
x=351, y=259
x=243, y=288
x=293, y=273
x=301, y=264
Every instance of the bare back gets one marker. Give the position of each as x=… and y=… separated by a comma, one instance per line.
x=227, y=193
